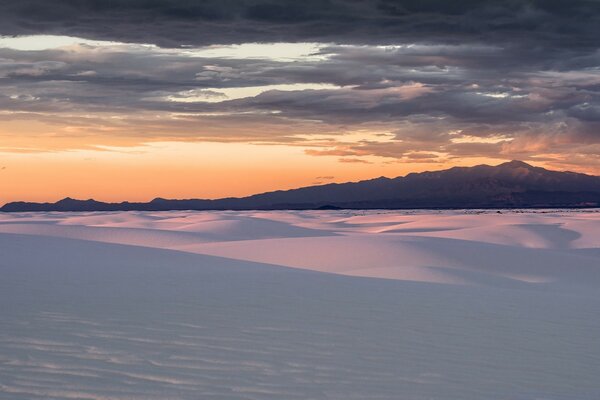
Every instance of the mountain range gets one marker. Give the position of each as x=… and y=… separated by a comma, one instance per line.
x=513, y=184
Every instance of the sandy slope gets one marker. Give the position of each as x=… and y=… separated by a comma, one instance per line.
x=180, y=305
x=449, y=247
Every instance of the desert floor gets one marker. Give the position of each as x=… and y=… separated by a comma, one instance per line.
x=415, y=305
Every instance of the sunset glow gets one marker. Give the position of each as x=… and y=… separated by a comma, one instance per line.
x=123, y=116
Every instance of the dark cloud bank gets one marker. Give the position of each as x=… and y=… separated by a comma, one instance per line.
x=554, y=23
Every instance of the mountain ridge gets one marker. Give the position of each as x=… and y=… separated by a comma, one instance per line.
x=513, y=184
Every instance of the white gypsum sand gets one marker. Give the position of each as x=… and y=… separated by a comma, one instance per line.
x=283, y=305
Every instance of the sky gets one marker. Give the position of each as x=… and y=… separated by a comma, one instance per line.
x=135, y=99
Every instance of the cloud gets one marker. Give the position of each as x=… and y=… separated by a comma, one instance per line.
x=189, y=22
x=354, y=161
x=435, y=79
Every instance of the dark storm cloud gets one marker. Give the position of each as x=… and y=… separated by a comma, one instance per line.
x=555, y=23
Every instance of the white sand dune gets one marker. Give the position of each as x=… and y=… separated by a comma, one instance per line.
x=203, y=305
x=450, y=247
x=418, y=259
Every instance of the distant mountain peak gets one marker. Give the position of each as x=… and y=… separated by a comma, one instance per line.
x=516, y=164
x=66, y=200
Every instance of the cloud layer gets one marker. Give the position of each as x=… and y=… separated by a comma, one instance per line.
x=416, y=81
x=193, y=22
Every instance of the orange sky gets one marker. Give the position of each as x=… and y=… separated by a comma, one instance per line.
x=179, y=170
